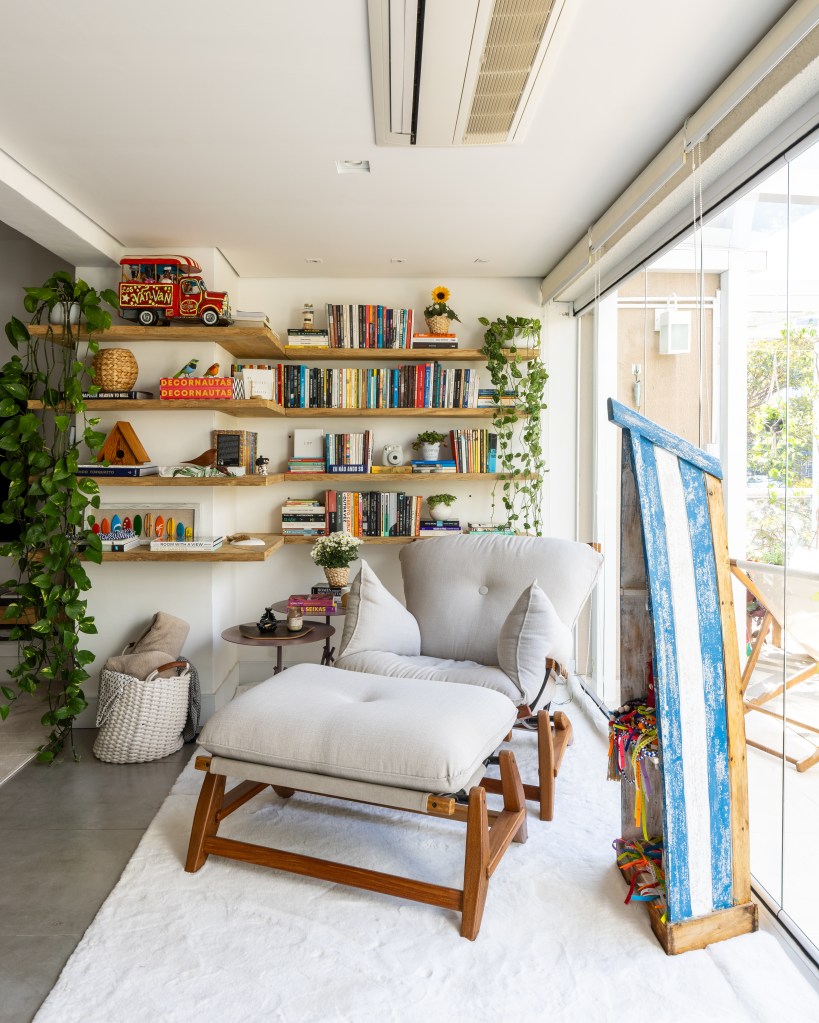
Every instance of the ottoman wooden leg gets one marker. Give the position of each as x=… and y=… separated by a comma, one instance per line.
x=205, y=820
x=546, y=765
x=514, y=799
x=476, y=864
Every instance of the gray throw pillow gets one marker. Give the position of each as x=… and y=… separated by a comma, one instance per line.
x=531, y=633
x=375, y=620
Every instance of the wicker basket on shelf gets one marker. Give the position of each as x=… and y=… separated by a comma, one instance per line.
x=439, y=324
x=115, y=369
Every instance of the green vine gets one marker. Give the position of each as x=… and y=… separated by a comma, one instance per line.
x=39, y=454
x=519, y=387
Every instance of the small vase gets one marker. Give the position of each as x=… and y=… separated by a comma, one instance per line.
x=430, y=452
x=338, y=576
x=441, y=512
x=439, y=324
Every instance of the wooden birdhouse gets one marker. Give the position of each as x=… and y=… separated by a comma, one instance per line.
x=122, y=447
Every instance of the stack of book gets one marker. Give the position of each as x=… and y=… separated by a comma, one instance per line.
x=308, y=337
x=348, y=452
x=303, y=518
x=474, y=450
x=98, y=469
x=434, y=340
x=204, y=544
x=368, y=326
x=488, y=398
x=490, y=527
x=439, y=466
x=373, y=514
x=429, y=527
x=305, y=465
x=315, y=603
x=250, y=318
x=421, y=385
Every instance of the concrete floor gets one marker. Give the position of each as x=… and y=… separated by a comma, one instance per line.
x=66, y=833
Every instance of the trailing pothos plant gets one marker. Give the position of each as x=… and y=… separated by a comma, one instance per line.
x=42, y=428
x=518, y=384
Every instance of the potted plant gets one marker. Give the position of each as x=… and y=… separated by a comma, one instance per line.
x=429, y=442
x=518, y=403
x=334, y=553
x=438, y=315
x=439, y=505
x=47, y=501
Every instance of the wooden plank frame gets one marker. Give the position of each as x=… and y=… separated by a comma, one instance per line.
x=485, y=843
x=677, y=609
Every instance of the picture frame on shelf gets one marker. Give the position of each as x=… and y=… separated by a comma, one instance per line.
x=144, y=519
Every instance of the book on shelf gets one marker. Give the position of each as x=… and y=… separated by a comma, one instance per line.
x=431, y=525
x=119, y=395
x=320, y=589
x=258, y=383
x=443, y=466
x=414, y=385
x=303, y=517
x=434, y=341
x=322, y=599
x=98, y=469
x=303, y=337
x=474, y=450
x=119, y=541
x=250, y=317
x=296, y=465
x=308, y=443
x=387, y=470
x=369, y=326
x=372, y=514
x=348, y=452
x=490, y=527
x=196, y=543
x=195, y=388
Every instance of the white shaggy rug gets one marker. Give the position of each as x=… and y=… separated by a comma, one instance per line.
x=238, y=942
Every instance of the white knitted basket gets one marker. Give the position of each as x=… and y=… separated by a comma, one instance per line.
x=140, y=719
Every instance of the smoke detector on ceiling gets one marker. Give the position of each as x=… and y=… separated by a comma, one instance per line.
x=458, y=74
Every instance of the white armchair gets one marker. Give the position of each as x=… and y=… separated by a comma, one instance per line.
x=486, y=610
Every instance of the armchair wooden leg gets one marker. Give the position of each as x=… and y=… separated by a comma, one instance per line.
x=476, y=864
x=205, y=820
x=513, y=798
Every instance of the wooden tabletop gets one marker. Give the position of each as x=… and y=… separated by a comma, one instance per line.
x=317, y=632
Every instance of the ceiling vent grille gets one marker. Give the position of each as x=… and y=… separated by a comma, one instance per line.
x=460, y=72
x=515, y=34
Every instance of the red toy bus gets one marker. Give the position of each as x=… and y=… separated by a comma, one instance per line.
x=155, y=288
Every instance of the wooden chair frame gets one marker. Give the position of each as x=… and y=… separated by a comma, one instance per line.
x=485, y=843
x=554, y=734
x=770, y=626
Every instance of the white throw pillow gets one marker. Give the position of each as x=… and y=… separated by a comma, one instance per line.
x=376, y=620
x=531, y=633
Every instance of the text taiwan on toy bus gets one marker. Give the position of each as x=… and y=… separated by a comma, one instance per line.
x=159, y=288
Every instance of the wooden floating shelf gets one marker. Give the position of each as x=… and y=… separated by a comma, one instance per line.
x=241, y=342
x=377, y=477
x=188, y=481
x=227, y=552
x=312, y=354
x=241, y=408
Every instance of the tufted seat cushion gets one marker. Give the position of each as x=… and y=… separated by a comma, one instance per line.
x=432, y=669
x=424, y=736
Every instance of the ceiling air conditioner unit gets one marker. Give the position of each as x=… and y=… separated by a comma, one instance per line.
x=458, y=72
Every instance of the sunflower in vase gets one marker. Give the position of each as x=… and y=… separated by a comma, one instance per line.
x=438, y=314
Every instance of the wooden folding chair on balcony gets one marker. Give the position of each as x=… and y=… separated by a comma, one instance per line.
x=789, y=604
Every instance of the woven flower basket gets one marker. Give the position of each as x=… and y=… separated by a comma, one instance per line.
x=338, y=576
x=115, y=369
x=439, y=324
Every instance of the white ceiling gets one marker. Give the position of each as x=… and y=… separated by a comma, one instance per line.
x=212, y=124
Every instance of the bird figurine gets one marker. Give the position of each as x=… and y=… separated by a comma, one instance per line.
x=188, y=370
x=212, y=371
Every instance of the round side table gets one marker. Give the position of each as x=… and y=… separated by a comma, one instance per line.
x=327, y=657
x=317, y=633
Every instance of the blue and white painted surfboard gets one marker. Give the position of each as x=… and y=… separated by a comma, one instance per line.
x=690, y=681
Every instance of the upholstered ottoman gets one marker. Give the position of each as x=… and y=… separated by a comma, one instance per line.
x=414, y=745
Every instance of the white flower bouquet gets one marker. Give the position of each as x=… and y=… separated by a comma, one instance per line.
x=336, y=550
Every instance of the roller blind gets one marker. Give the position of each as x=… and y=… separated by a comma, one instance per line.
x=763, y=113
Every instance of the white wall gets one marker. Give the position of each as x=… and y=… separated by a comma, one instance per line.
x=212, y=598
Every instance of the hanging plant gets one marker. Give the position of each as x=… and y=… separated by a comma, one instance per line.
x=518, y=387
x=45, y=509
